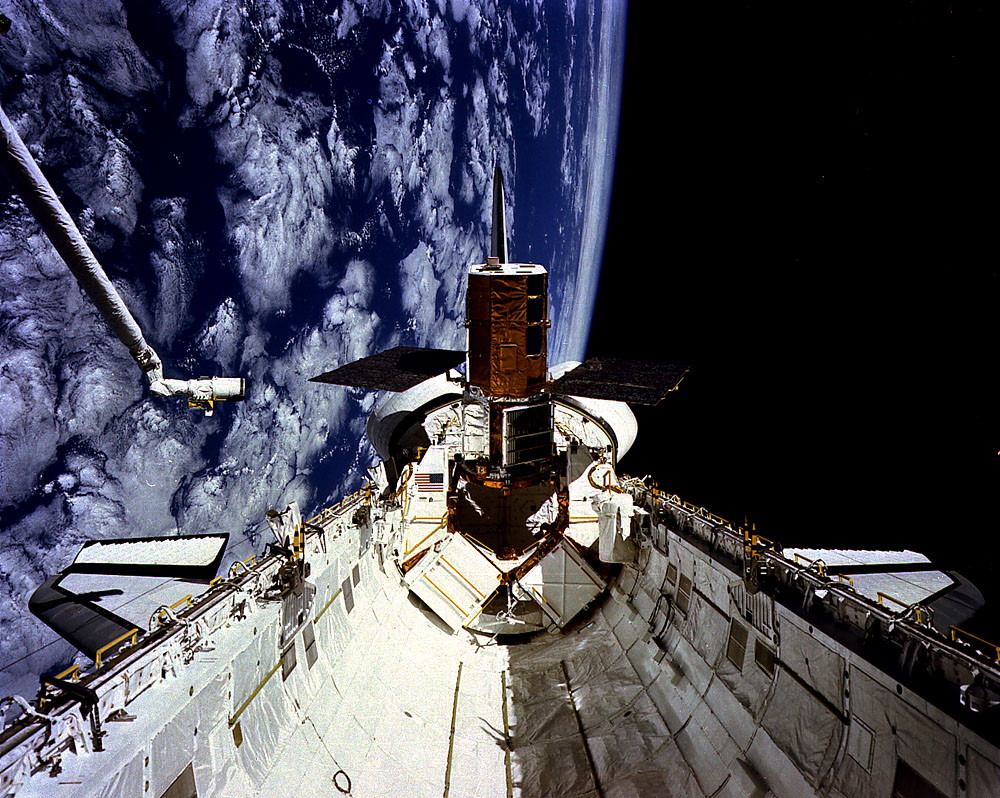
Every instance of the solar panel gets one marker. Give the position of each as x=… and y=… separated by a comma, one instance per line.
x=641, y=382
x=395, y=369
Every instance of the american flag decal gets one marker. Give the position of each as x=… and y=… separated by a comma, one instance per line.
x=430, y=482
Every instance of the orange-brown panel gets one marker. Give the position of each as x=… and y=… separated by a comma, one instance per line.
x=479, y=354
x=478, y=298
x=508, y=319
x=507, y=357
x=508, y=301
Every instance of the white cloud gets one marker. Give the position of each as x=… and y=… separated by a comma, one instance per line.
x=419, y=289
x=223, y=335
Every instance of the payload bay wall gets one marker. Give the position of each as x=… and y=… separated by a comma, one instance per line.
x=678, y=683
x=820, y=692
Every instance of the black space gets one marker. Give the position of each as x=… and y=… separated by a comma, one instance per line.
x=801, y=208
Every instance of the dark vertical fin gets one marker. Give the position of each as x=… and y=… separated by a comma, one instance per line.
x=498, y=243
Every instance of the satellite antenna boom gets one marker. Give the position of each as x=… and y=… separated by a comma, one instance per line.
x=498, y=241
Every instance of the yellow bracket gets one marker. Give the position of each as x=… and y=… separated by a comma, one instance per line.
x=893, y=599
x=366, y=491
x=186, y=599
x=903, y=604
x=73, y=671
x=233, y=570
x=961, y=636
x=754, y=544
x=99, y=658
x=820, y=565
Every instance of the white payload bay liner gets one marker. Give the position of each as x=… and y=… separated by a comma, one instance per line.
x=665, y=690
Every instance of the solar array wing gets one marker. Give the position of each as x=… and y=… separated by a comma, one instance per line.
x=395, y=369
x=641, y=382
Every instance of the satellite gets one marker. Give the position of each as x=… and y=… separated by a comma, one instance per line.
x=507, y=319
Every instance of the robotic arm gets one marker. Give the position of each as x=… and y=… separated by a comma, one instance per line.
x=41, y=200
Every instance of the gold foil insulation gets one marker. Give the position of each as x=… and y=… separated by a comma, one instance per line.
x=507, y=319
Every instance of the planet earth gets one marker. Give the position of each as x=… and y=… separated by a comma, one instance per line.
x=275, y=189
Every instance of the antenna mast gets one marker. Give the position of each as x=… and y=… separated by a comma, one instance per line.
x=498, y=240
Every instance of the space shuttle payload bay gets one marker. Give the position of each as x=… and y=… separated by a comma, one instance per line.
x=499, y=613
